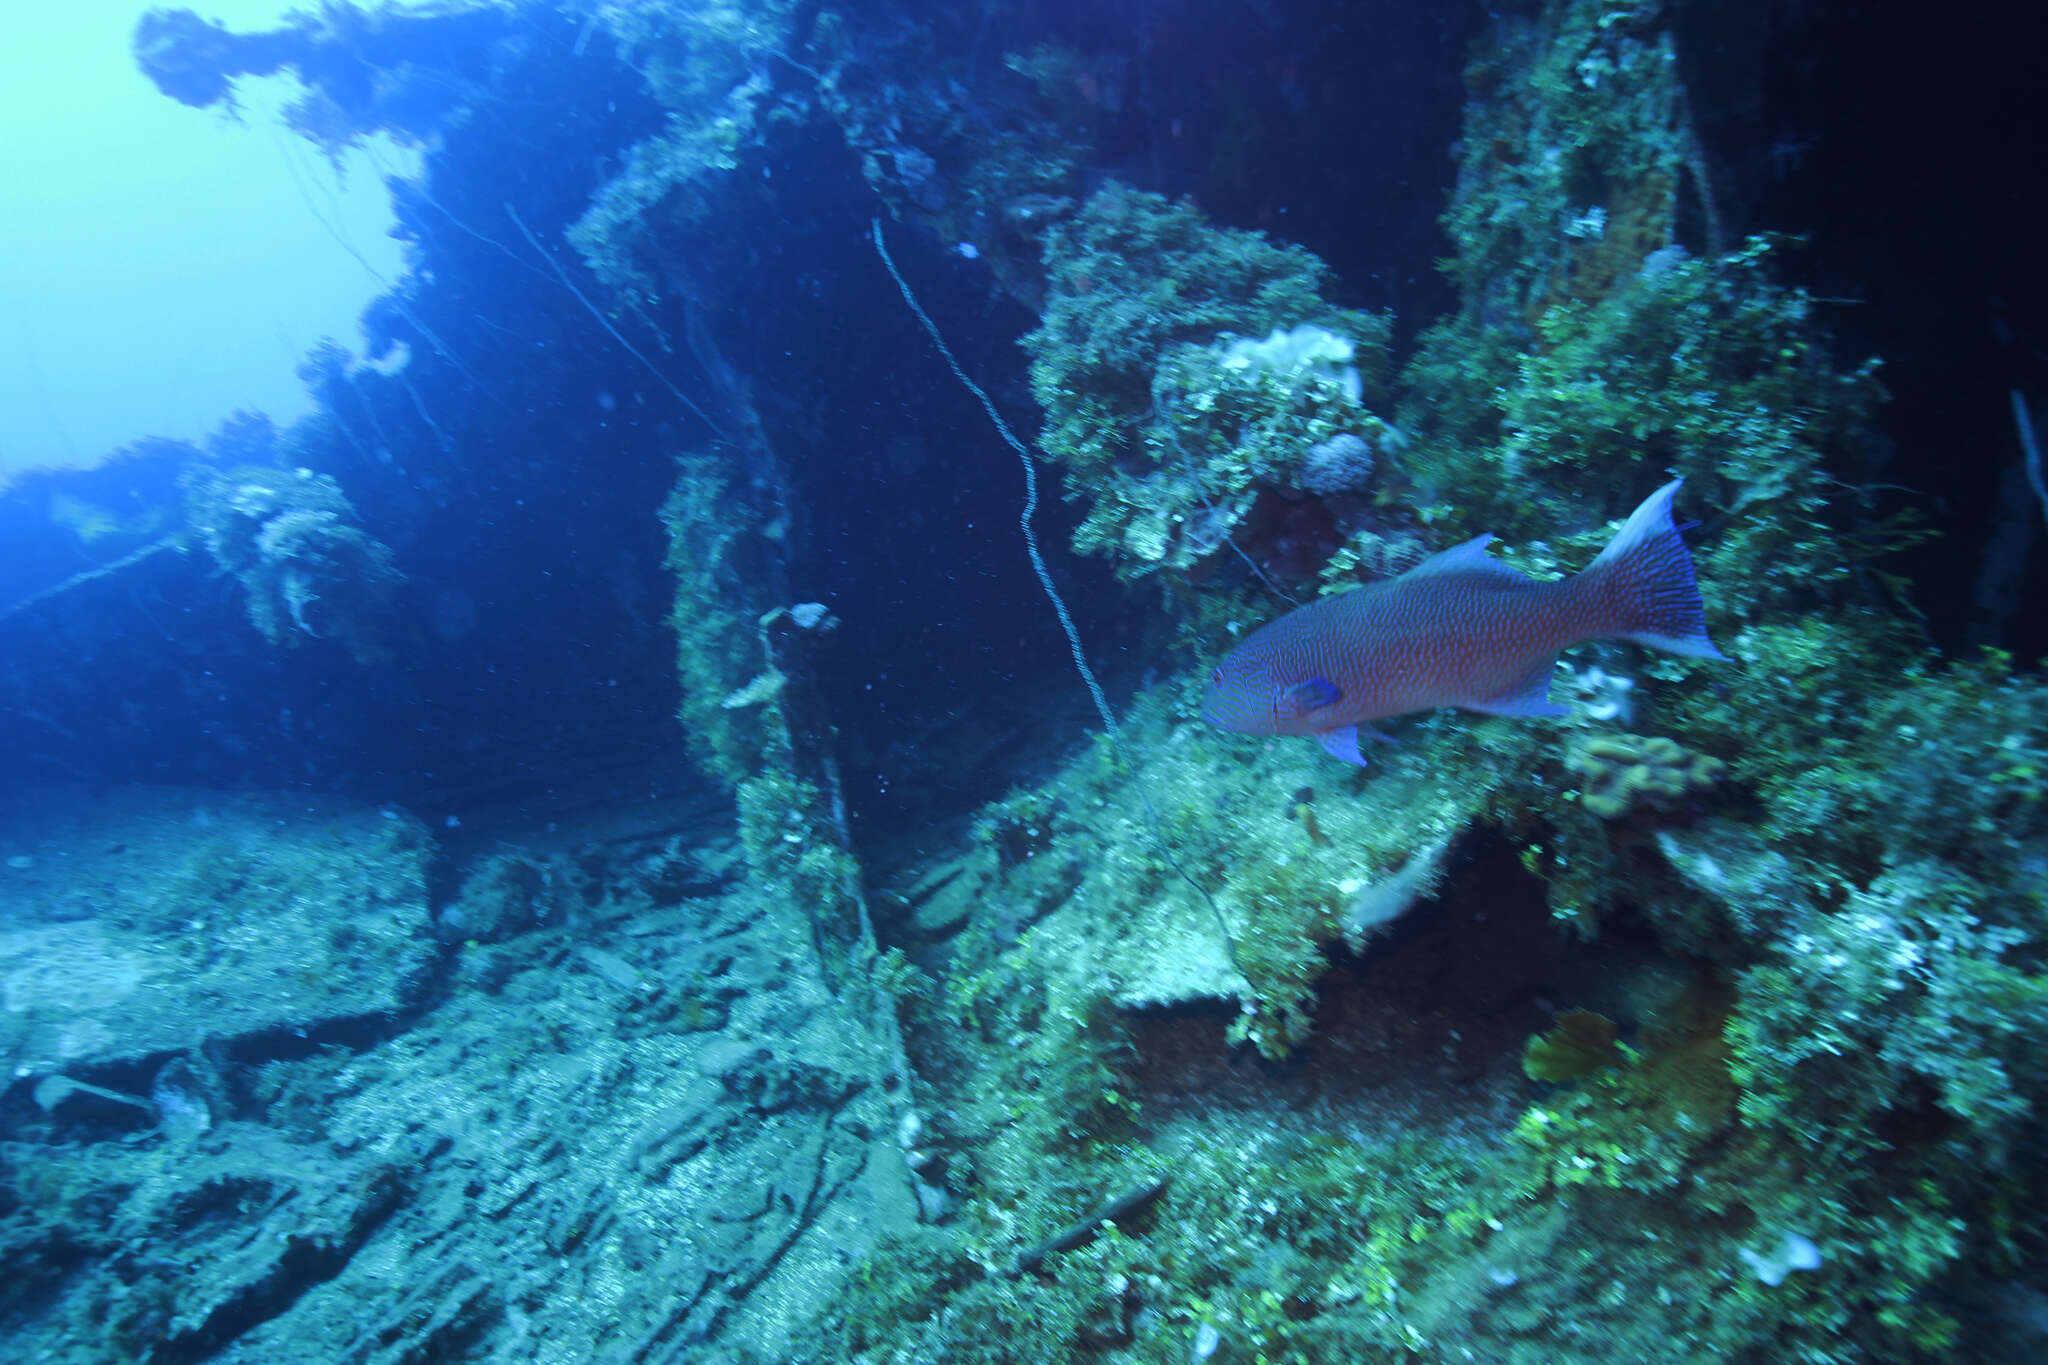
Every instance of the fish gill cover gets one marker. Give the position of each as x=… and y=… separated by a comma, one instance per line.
x=674, y=899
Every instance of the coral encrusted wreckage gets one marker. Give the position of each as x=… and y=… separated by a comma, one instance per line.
x=810, y=979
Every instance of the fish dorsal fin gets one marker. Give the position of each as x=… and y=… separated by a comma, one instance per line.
x=1468, y=558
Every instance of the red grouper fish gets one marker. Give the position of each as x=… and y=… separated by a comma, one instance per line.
x=1459, y=629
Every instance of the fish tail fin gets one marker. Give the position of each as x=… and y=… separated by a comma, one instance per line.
x=1642, y=587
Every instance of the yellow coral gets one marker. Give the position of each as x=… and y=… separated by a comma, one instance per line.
x=1626, y=773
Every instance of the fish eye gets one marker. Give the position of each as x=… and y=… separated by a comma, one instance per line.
x=1216, y=676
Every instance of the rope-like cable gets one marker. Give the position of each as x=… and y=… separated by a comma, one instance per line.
x=1052, y=593
x=606, y=322
x=2029, y=449
x=931, y=329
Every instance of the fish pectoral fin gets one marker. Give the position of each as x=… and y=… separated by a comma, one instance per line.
x=1344, y=744
x=1313, y=694
x=1529, y=697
